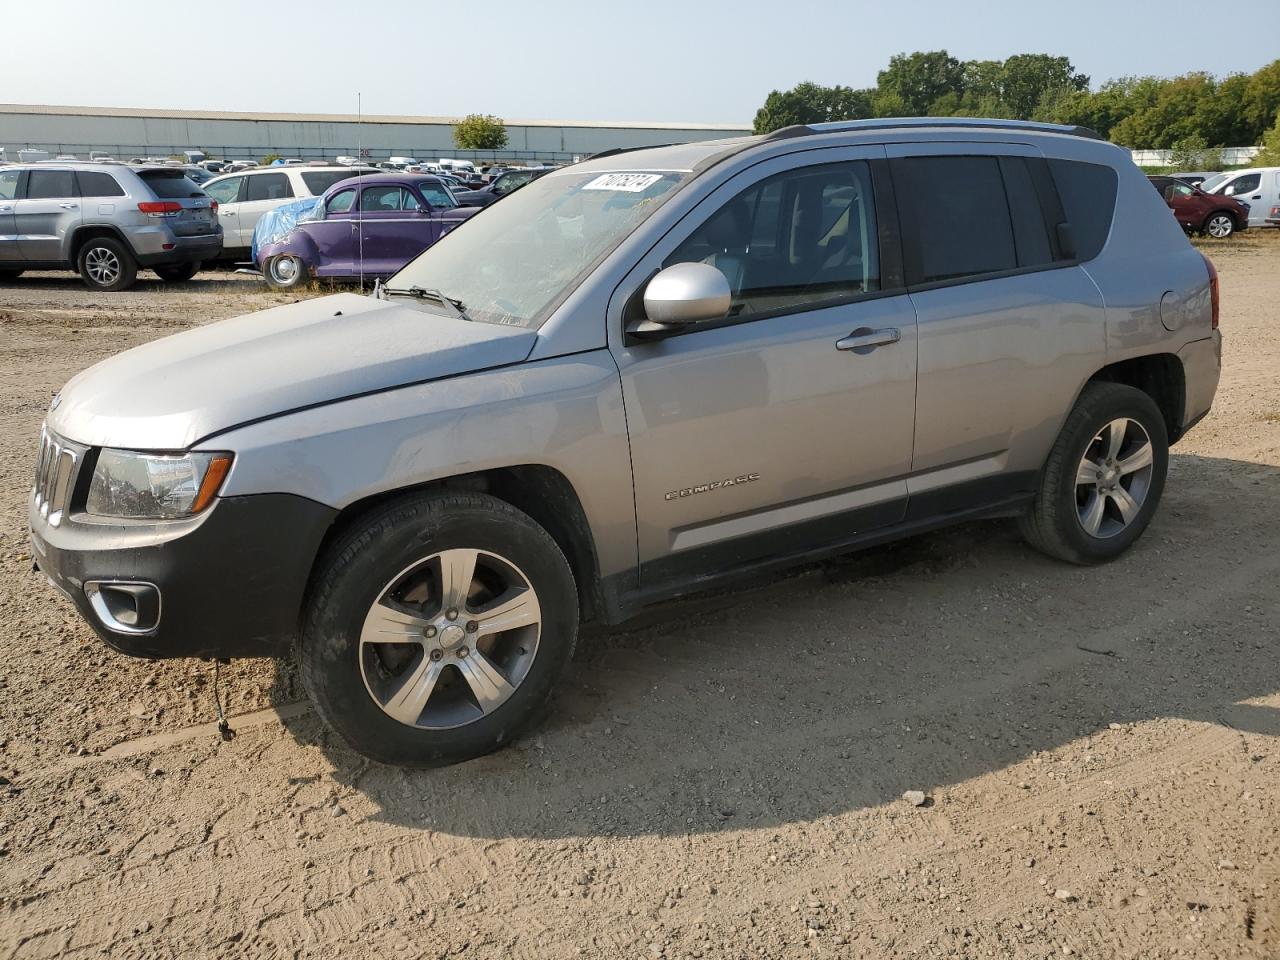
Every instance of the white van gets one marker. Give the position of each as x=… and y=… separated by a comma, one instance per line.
x=465, y=166
x=1257, y=186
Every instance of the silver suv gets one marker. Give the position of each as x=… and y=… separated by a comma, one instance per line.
x=637, y=377
x=104, y=220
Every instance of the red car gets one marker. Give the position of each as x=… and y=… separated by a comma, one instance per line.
x=1209, y=213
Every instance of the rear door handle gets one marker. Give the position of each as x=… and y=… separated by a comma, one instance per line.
x=865, y=338
x=69, y=206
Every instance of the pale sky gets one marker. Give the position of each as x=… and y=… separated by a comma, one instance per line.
x=696, y=60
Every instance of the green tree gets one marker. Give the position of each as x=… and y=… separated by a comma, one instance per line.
x=1261, y=100
x=811, y=103
x=480, y=131
x=270, y=158
x=1026, y=78
x=1270, y=154
x=920, y=79
x=1194, y=153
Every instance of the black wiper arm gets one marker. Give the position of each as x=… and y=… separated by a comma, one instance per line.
x=429, y=293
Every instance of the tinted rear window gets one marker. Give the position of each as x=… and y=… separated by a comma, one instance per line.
x=170, y=184
x=98, y=185
x=318, y=181
x=1088, y=192
x=956, y=214
x=269, y=186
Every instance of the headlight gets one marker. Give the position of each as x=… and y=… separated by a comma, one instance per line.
x=155, y=486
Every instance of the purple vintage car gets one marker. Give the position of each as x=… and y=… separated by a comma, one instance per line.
x=368, y=226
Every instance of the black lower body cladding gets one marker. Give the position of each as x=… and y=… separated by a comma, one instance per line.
x=231, y=581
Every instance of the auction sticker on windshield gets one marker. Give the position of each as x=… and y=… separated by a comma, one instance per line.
x=626, y=182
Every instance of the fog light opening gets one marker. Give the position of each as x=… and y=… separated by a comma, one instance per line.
x=124, y=606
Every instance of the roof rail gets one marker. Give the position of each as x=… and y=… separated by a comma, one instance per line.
x=895, y=123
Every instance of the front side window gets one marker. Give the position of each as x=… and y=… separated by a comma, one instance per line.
x=341, y=202
x=437, y=194
x=269, y=186
x=1241, y=185
x=518, y=261
x=956, y=217
x=795, y=241
x=225, y=191
x=51, y=185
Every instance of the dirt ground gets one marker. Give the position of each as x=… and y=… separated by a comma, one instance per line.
x=1100, y=748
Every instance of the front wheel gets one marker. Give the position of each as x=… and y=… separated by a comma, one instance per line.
x=1103, y=478
x=285, y=272
x=1220, y=226
x=437, y=628
x=178, y=272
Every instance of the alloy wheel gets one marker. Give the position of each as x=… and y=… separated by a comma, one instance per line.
x=450, y=639
x=1220, y=226
x=1114, y=477
x=102, y=265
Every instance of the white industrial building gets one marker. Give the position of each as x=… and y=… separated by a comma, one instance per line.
x=126, y=132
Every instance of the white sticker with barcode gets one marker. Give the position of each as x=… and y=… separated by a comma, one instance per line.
x=626, y=182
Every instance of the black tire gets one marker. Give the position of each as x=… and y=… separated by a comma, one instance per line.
x=101, y=251
x=6, y=275
x=1053, y=524
x=178, y=272
x=278, y=277
x=1219, y=225
x=373, y=552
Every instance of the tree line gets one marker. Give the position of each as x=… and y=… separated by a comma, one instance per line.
x=1138, y=112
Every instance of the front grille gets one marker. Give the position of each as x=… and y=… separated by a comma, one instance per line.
x=56, y=468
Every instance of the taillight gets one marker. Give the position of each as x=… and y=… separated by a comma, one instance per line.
x=160, y=208
x=213, y=207
x=1214, y=295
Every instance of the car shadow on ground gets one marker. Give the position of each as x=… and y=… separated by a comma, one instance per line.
x=915, y=666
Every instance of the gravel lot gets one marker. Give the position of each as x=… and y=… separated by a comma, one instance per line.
x=1099, y=748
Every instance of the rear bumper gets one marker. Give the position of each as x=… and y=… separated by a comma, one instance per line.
x=149, y=247
x=1201, y=368
x=230, y=582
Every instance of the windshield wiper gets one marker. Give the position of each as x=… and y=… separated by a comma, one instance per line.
x=429, y=293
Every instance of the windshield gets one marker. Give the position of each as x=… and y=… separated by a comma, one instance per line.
x=1209, y=183
x=516, y=260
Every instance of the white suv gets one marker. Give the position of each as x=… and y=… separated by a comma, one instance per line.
x=244, y=197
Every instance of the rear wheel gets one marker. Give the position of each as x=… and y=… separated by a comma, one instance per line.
x=286, y=272
x=178, y=272
x=1220, y=225
x=437, y=629
x=9, y=275
x=1103, y=479
x=105, y=264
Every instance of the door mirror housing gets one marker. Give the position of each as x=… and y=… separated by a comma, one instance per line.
x=684, y=293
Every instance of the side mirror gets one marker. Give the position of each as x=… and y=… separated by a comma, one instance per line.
x=684, y=293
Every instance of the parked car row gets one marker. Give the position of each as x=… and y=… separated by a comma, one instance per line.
x=1220, y=204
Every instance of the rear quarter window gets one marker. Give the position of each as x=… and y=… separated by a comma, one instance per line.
x=98, y=185
x=170, y=184
x=1088, y=194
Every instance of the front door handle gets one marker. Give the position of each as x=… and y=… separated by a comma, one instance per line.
x=866, y=339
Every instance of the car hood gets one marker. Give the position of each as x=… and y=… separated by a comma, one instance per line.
x=171, y=393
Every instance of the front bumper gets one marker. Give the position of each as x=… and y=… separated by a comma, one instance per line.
x=231, y=581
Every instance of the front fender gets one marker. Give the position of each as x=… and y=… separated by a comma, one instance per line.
x=297, y=243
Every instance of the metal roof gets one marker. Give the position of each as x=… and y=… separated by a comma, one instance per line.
x=165, y=114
